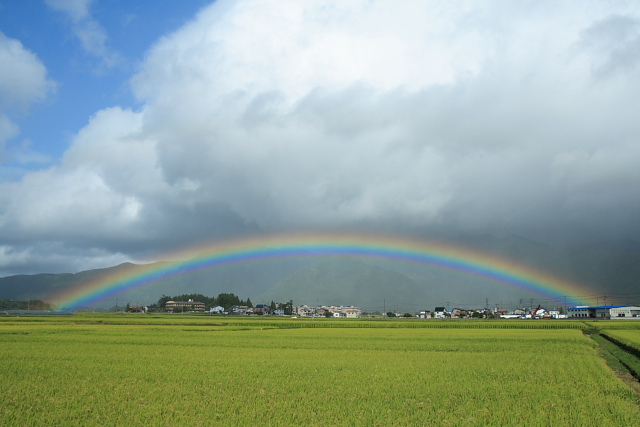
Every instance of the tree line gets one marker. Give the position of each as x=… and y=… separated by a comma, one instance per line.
x=32, y=304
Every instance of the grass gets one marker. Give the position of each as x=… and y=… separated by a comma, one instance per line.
x=190, y=370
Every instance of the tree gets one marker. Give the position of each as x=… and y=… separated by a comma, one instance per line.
x=163, y=300
x=227, y=300
x=391, y=314
x=288, y=308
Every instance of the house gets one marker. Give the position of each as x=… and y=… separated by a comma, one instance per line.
x=323, y=311
x=440, y=312
x=351, y=312
x=305, y=311
x=216, y=310
x=425, y=314
x=262, y=309
x=238, y=309
x=182, y=306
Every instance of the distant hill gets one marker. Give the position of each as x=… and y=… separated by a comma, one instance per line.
x=338, y=280
x=245, y=280
x=43, y=286
x=611, y=269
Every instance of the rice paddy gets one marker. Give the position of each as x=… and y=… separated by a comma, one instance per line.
x=195, y=370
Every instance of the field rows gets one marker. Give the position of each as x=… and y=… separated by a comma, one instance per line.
x=628, y=337
x=106, y=374
x=286, y=322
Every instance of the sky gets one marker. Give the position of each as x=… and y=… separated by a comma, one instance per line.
x=130, y=129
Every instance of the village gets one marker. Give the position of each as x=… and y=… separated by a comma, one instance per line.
x=439, y=312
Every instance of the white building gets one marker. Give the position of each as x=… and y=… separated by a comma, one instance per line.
x=588, y=312
x=440, y=312
x=628, y=312
x=600, y=312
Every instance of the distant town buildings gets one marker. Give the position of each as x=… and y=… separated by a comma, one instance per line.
x=439, y=312
x=347, y=312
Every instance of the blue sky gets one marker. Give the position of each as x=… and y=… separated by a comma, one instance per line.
x=84, y=81
x=129, y=129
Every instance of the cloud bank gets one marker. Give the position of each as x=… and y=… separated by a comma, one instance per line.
x=415, y=117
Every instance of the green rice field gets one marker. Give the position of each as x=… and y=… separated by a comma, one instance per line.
x=198, y=371
x=629, y=337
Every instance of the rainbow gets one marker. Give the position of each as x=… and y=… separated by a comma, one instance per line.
x=499, y=270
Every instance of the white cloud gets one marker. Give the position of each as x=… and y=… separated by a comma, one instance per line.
x=94, y=193
x=615, y=43
x=23, y=82
x=23, y=78
x=91, y=35
x=8, y=130
x=77, y=10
